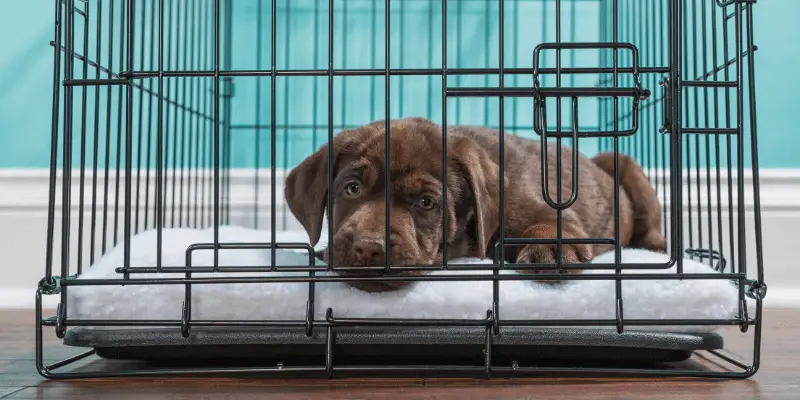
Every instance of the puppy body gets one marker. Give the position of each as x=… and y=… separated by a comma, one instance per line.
x=418, y=206
x=592, y=213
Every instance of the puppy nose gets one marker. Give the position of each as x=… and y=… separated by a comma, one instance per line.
x=369, y=249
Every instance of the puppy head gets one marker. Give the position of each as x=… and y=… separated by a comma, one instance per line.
x=416, y=197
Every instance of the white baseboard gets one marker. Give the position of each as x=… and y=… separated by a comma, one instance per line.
x=24, y=208
x=25, y=299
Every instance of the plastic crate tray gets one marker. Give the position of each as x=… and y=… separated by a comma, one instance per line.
x=375, y=346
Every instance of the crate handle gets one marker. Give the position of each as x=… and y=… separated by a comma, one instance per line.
x=667, y=125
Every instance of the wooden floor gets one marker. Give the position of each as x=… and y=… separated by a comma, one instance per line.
x=778, y=378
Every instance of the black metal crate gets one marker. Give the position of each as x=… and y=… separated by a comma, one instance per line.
x=163, y=110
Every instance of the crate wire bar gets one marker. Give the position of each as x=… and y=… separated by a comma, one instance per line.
x=678, y=96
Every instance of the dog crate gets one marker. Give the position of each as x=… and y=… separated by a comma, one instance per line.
x=175, y=123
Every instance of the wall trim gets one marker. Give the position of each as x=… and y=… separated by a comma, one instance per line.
x=25, y=299
x=27, y=190
x=24, y=207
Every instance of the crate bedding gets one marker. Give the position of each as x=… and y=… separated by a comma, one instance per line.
x=582, y=299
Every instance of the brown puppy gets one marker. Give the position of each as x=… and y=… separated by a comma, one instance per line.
x=417, y=207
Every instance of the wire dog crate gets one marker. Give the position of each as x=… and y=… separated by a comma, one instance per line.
x=188, y=114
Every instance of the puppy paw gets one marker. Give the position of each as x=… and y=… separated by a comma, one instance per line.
x=654, y=240
x=548, y=253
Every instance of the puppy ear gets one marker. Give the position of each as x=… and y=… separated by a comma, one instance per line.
x=483, y=181
x=306, y=192
x=306, y=186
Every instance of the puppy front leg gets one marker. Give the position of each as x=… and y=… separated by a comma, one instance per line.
x=548, y=253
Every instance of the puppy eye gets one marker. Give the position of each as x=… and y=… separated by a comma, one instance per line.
x=352, y=189
x=425, y=203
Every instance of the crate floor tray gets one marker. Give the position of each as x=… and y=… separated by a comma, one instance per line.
x=404, y=346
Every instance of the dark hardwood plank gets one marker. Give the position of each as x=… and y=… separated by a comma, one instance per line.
x=778, y=378
x=511, y=390
x=5, y=391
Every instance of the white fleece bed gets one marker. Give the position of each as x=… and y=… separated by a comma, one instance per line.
x=583, y=299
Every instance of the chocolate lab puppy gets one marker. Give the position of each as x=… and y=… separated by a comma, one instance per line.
x=473, y=187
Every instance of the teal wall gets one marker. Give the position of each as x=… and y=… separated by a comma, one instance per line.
x=26, y=71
